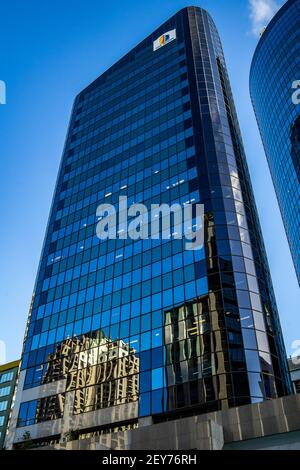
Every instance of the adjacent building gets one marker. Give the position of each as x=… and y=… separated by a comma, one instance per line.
x=275, y=71
x=122, y=333
x=294, y=365
x=8, y=378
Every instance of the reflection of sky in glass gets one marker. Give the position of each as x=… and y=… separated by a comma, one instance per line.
x=157, y=378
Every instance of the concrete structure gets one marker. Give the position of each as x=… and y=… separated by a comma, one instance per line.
x=271, y=425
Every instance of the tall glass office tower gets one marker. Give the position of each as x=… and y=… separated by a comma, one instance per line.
x=275, y=68
x=125, y=332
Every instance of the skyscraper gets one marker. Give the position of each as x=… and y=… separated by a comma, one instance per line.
x=123, y=332
x=275, y=71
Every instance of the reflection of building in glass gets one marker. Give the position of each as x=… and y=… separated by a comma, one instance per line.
x=107, y=376
x=50, y=408
x=191, y=359
x=295, y=141
x=101, y=373
x=274, y=69
x=198, y=366
x=159, y=126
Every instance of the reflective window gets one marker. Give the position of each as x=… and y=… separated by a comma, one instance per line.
x=3, y=405
x=5, y=391
x=7, y=377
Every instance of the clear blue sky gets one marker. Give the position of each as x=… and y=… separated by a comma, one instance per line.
x=50, y=50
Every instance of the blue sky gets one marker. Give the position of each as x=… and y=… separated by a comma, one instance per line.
x=50, y=50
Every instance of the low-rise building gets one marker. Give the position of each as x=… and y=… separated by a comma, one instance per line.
x=294, y=366
x=8, y=378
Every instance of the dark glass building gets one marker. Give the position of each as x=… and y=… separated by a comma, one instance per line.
x=275, y=68
x=122, y=332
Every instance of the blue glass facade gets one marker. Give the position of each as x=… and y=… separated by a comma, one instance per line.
x=147, y=328
x=275, y=67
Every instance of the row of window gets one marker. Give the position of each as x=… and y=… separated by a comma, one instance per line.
x=125, y=128
x=145, y=286
x=167, y=106
x=181, y=361
x=170, y=297
x=152, y=236
x=145, y=196
x=133, y=73
x=96, y=111
x=167, y=124
x=115, y=258
x=123, y=255
x=137, y=96
x=154, y=276
x=126, y=267
x=170, y=336
x=183, y=191
x=6, y=377
x=159, y=142
x=91, y=184
x=167, y=175
x=140, y=341
x=143, y=297
x=120, y=392
x=111, y=148
x=121, y=175
x=129, y=318
x=4, y=391
x=3, y=405
x=179, y=113
x=179, y=138
x=38, y=356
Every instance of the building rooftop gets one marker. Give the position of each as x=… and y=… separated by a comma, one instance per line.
x=9, y=365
